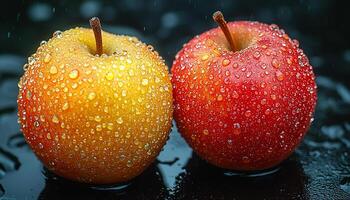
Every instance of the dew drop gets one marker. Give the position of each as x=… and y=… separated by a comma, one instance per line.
x=247, y=113
x=279, y=75
x=205, y=132
x=120, y=120
x=91, y=96
x=275, y=63
x=57, y=34
x=109, y=76
x=144, y=81
x=205, y=57
x=55, y=119
x=236, y=128
x=98, y=118
x=256, y=55
x=53, y=70
x=226, y=62
x=65, y=106
x=47, y=58
x=219, y=98
x=29, y=95
x=74, y=74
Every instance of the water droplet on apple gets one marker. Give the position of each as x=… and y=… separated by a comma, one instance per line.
x=279, y=75
x=74, y=74
x=65, y=106
x=247, y=113
x=55, y=119
x=275, y=63
x=57, y=34
x=256, y=55
x=236, y=128
x=225, y=62
x=47, y=58
x=53, y=70
x=120, y=120
x=144, y=82
x=91, y=96
x=205, y=132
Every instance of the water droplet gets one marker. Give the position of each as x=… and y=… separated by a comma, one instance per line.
x=226, y=62
x=124, y=93
x=279, y=75
x=219, y=98
x=65, y=106
x=110, y=126
x=36, y=124
x=98, y=118
x=120, y=120
x=205, y=132
x=55, y=119
x=256, y=55
x=263, y=101
x=144, y=81
x=275, y=63
x=247, y=113
x=205, y=57
x=109, y=76
x=31, y=60
x=43, y=43
x=57, y=34
x=273, y=97
x=47, y=58
x=53, y=70
x=91, y=96
x=235, y=94
x=29, y=95
x=236, y=128
x=48, y=136
x=74, y=74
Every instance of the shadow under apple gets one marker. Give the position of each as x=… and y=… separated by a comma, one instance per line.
x=205, y=181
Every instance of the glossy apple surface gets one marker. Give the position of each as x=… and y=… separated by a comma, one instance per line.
x=247, y=108
x=95, y=119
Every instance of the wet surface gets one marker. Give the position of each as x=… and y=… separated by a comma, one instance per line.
x=318, y=169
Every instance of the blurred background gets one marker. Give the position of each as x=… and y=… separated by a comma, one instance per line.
x=319, y=169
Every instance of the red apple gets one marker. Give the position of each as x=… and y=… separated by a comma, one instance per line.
x=244, y=95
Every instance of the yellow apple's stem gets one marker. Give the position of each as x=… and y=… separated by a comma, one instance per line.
x=96, y=28
x=220, y=20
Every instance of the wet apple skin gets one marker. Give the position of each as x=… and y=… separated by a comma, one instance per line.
x=246, y=109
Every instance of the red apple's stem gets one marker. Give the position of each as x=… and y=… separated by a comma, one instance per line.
x=220, y=20
x=96, y=27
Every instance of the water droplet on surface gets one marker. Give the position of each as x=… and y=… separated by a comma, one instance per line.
x=219, y=98
x=247, y=113
x=91, y=96
x=109, y=76
x=226, y=62
x=144, y=82
x=55, y=119
x=256, y=55
x=279, y=75
x=65, y=106
x=53, y=70
x=205, y=132
x=275, y=63
x=120, y=120
x=205, y=57
x=57, y=34
x=236, y=128
x=47, y=58
x=74, y=74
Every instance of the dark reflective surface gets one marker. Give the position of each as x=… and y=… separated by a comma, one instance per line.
x=319, y=168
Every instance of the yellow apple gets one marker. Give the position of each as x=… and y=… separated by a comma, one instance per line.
x=95, y=118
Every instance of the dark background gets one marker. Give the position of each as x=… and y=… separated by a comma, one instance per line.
x=320, y=167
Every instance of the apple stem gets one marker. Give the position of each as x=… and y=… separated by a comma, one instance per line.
x=96, y=28
x=220, y=20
